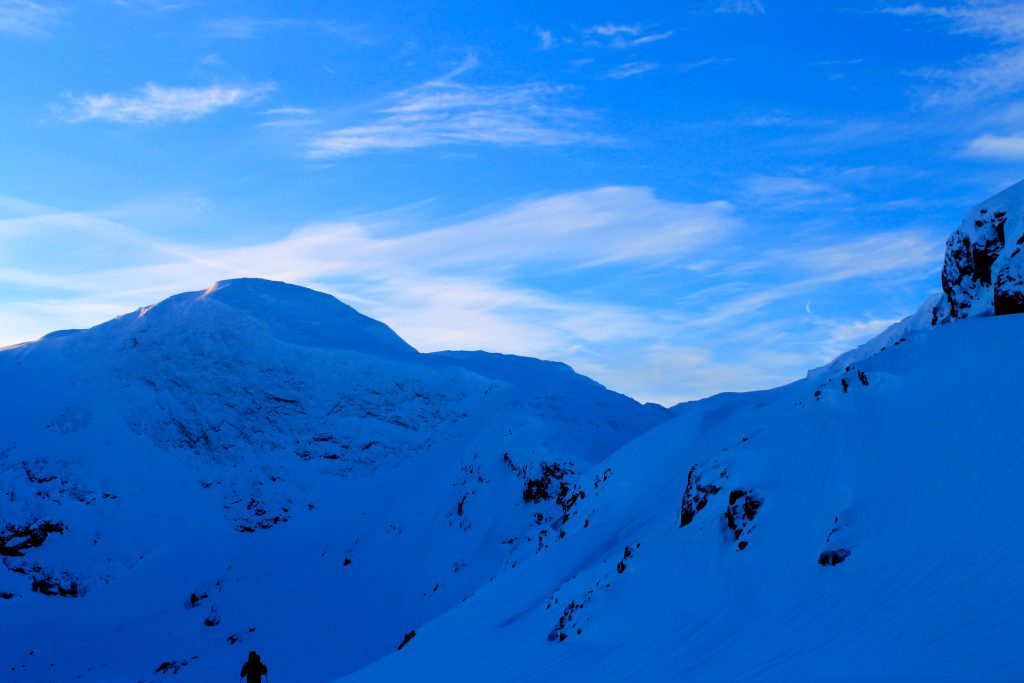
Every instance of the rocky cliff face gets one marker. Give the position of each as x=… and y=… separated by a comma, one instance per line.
x=983, y=273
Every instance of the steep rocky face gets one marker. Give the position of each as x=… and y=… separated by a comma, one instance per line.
x=984, y=268
x=983, y=274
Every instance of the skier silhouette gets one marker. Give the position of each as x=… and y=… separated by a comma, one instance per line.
x=253, y=670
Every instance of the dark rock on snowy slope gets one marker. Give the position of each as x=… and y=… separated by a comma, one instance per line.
x=984, y=268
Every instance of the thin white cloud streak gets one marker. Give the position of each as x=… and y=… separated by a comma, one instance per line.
x=153, y=5
x=546, y=38
x=25, y=18
x=597, y=227
x=838, y=62
x=243, y=28
x=771, y=186
x=247, y=28
x=1004, y=147
x=288, y=111
x=158, y=104
x=890, y=255
x=899, y=250
x=610, y=225
x=791, y=193
x=995, y=18
x=623, y=36
x=35, y=218
x=577, y=230
x=988, y=76
x=610, y=30
x=691, y=66
x=631, y=69
x=445, y=112
x=644, y=40
x=741, y=7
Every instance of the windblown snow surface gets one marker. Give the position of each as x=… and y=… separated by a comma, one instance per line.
x=260, y=467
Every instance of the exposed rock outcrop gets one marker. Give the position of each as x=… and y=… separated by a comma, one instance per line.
x=983, y=273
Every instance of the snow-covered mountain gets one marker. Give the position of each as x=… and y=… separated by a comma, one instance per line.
x=260, y=467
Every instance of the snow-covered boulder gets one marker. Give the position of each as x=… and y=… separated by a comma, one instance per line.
x=983, y=273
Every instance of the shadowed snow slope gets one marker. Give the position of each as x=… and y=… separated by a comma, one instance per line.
x=856, y=529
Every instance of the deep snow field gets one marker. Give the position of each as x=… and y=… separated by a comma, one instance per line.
x=258, y=466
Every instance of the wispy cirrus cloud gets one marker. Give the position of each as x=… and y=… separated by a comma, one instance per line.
x=288, y=111
x=763, y=185
x=623, y=36
x=984, y=78
x=754, y=285
x=159, y=104
x=630, y=69
x=985, y=85
x=249, y=27
x=740, y=7
x=889, y=252
x=546, y=38
x=697, y=64
x=1001, y=19
x=154, y=5
x=448, y=112
x=26, y=18
x=987, y=76
x=790, y=192
x=1002, y=147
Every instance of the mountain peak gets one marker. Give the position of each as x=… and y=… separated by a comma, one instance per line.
x=291, y=313
x=246, y=307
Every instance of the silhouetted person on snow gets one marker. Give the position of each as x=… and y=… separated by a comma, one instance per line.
x=253, y=669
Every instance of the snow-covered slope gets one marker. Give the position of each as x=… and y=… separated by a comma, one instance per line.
x=920, y=322
x=810, y=533
x=258, y=465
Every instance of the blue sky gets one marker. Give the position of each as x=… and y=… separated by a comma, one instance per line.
x=675, y=198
